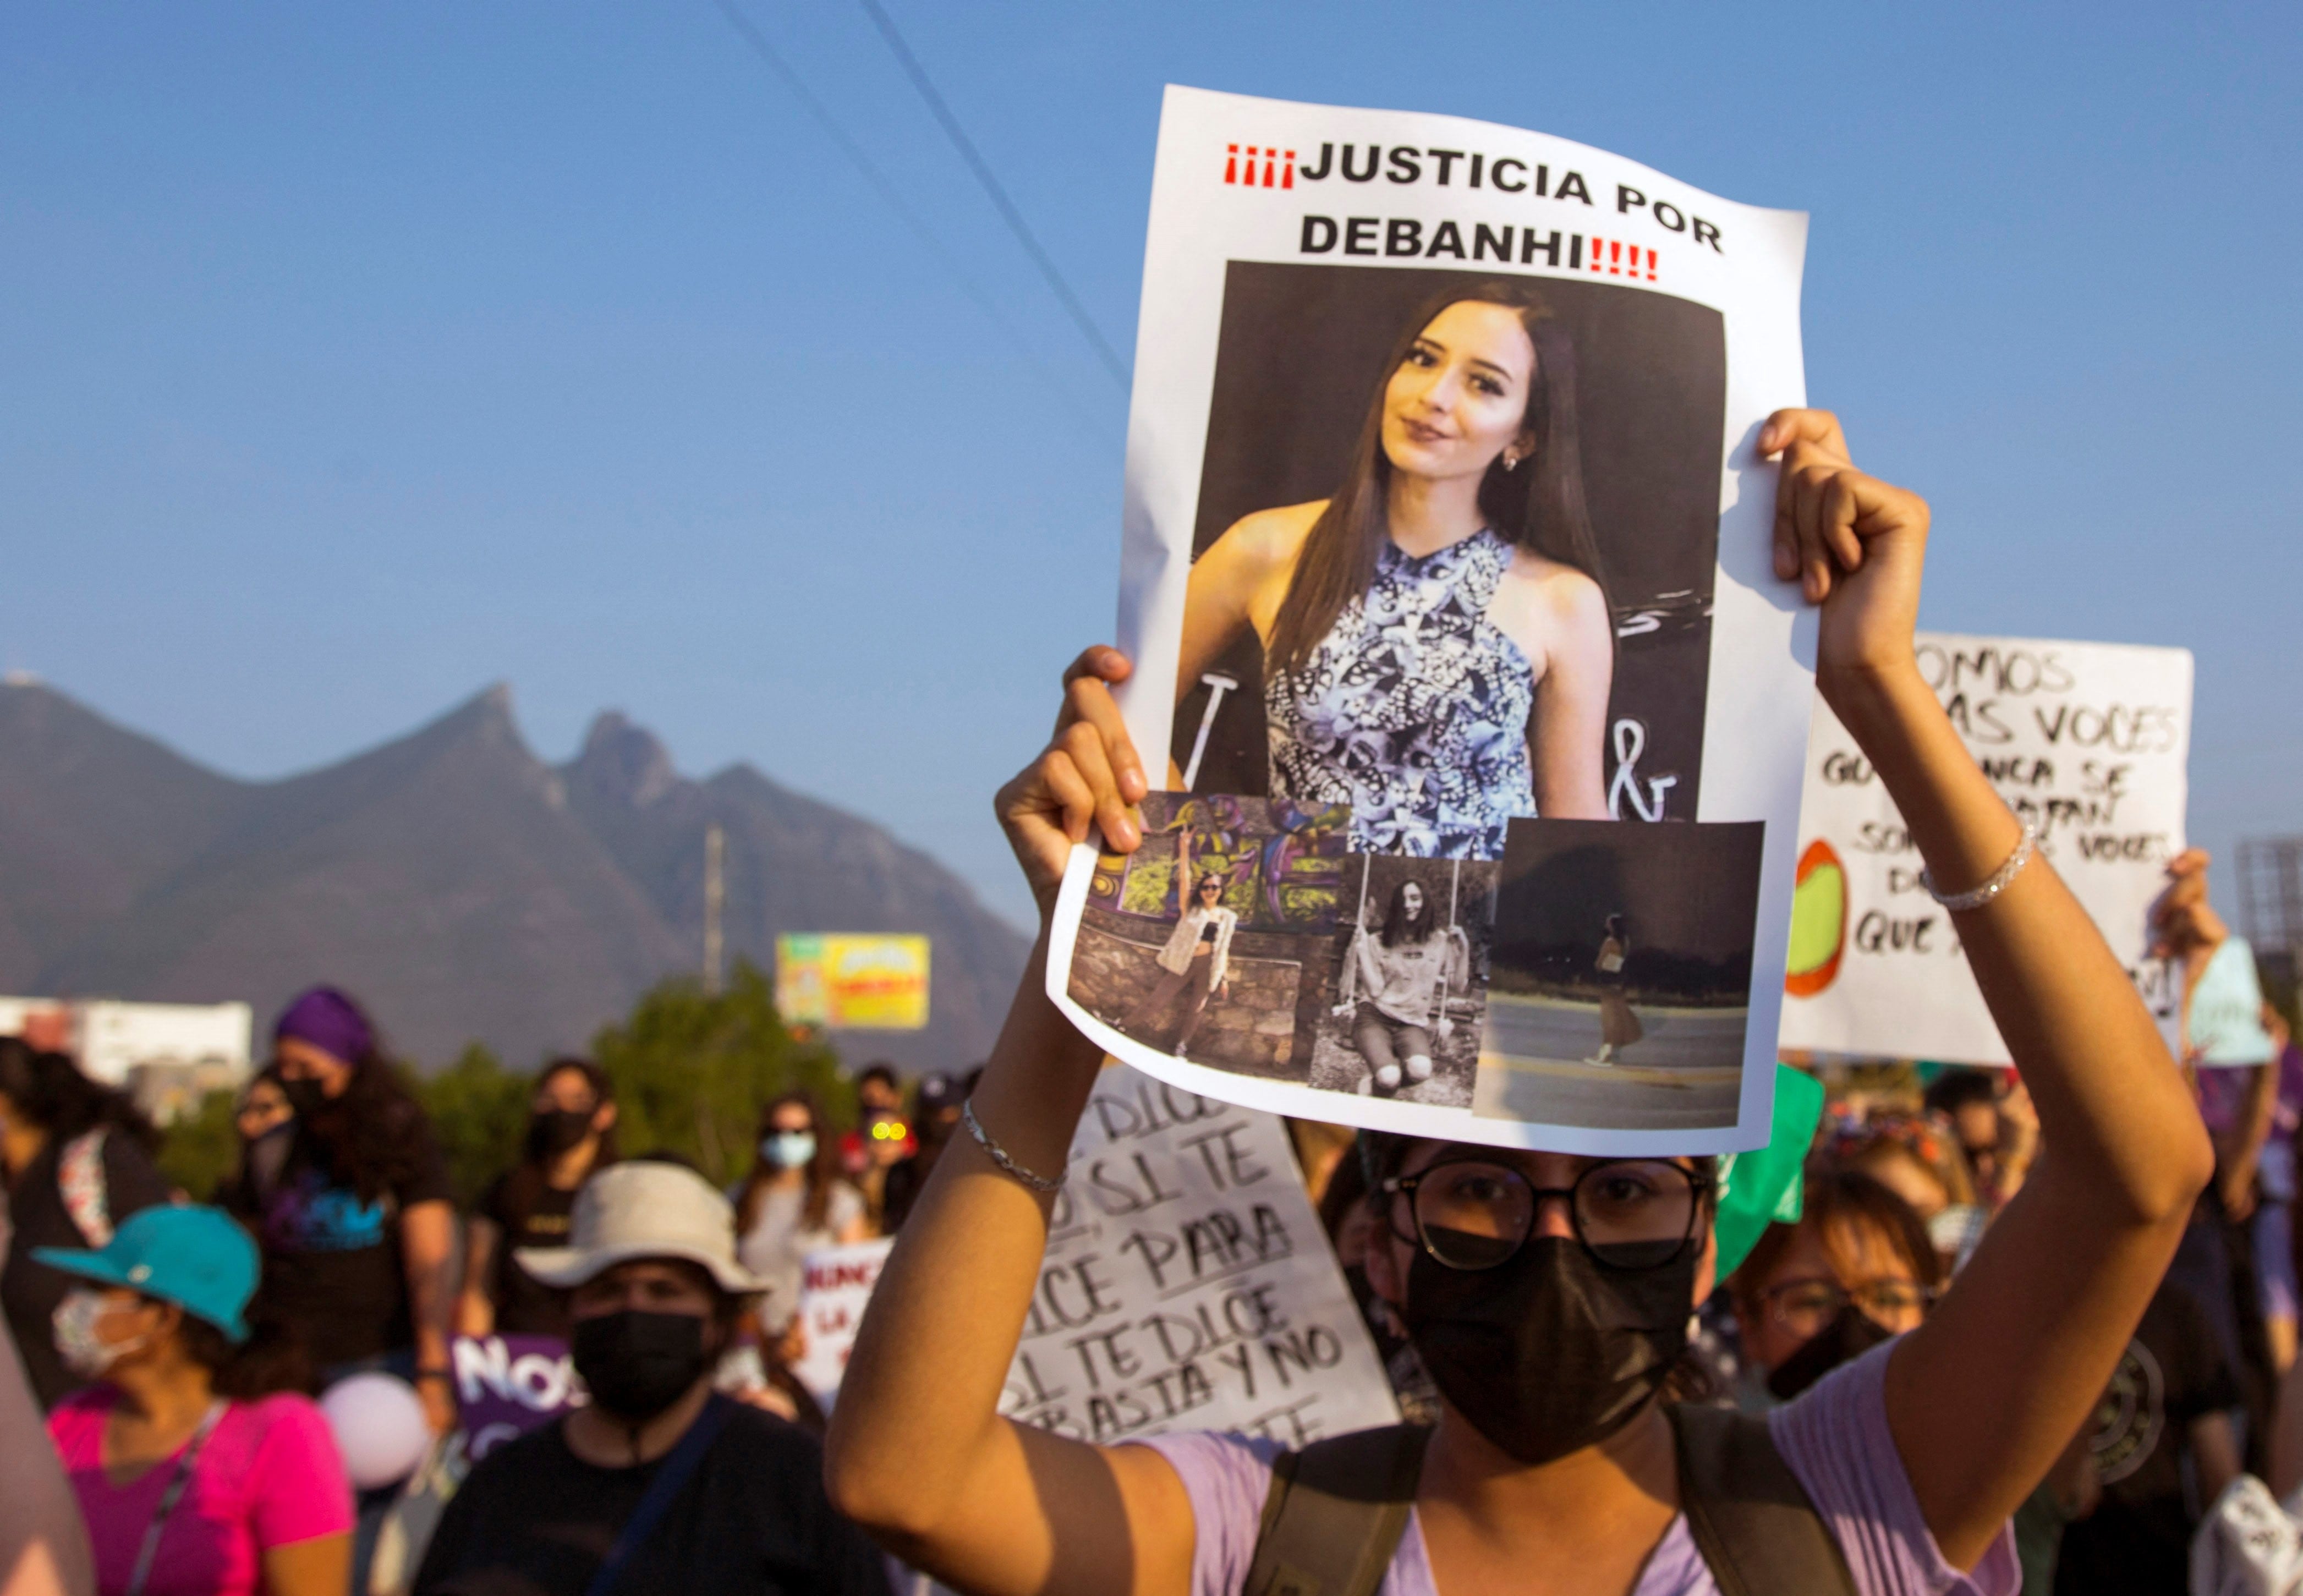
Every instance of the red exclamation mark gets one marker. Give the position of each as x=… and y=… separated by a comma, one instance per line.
x=1288, y=177
x=1652, y=265
x=1598, y=263
x=1270, y=169
x=1614, y=254
x=1231, y=164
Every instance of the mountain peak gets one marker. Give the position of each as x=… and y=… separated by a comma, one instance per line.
x=625, y=762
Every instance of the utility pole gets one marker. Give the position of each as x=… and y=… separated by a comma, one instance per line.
x=715, y=852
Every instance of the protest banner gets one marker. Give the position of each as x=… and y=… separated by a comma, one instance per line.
x=835, y=1285
x=509, y=1385
x=852, y=981
x=2086, y=741
x=2222, y=1012
x=1575, y=352
x=1187, y=1284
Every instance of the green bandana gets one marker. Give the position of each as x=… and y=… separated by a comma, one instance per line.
x=1763, y=1186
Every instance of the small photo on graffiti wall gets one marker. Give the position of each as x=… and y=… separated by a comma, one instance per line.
x=1208, y=942
x=1402, y=1007
x=1620, y=974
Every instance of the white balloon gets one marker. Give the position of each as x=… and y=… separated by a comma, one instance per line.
x=379, y=1424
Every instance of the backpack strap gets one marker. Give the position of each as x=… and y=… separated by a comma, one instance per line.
x=79, y=1182
x=1335, y=1512
x=1750, y=1518
x=671, y=1477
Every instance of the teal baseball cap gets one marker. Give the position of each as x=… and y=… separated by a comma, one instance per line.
x=197, y=1258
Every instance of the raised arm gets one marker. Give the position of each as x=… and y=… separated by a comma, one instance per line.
x=2033, y=1328
x=917, y=1452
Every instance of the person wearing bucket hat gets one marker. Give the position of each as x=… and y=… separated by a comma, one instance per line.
x=198, y=1467
x=659, y=1482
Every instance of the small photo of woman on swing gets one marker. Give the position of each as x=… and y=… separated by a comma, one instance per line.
x=1404, y=1018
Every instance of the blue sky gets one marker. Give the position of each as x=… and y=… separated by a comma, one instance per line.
x=358, y=357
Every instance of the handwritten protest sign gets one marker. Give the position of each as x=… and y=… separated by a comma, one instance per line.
x=1188, y=1285
x=1319, y=282
x=509, y=1385
x=835, y=1285
x=2089, y=741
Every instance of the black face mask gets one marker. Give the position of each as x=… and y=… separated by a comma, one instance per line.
x=555, y=1131
x=638, y=1363
x=304, y=1095
x=1845, y=1339
x=1550, y=1352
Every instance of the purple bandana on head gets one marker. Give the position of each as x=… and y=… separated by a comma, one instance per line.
x=330, y=1021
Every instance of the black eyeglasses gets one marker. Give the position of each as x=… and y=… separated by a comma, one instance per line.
x=1475, y=1214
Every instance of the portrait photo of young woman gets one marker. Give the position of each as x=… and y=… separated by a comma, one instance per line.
x=1435, y=640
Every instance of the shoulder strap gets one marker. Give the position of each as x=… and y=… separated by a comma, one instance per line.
x=679, y=1466
x=1750, y=1518
x=79, y=1182
x=1335, y=1513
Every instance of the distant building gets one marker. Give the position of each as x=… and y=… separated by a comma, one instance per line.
x=168, y=1055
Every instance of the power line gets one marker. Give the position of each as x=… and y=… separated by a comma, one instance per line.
x=886, y=190
x=1008, y=211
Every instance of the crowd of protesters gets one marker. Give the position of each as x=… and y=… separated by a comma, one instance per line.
x=2029, y=1326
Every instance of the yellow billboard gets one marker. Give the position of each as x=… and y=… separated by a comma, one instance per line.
x=853, y=981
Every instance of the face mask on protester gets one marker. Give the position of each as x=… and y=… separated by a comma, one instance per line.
x=304, y=1095
x=1845, y=1339
x=84, y=1352
x=638, y=1363
x=788, y=1149
x=1550, y=1351
x=554, y=1131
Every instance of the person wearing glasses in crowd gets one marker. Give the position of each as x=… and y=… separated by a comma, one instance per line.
x=1548, y=1294
x=1857, y=1270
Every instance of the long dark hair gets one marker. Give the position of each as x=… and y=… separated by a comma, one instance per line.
x=371, y=1138
x=822, y=1169
x=272, y=1359
x=524, y=1186
x=1540, y=509
x=50, y=1091
x=1398, y=925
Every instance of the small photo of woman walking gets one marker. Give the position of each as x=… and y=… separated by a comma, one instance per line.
x=1620, y=980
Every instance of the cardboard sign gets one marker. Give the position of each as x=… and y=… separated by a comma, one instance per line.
x=1339, y=304
x=1187, y=1284
x=509, y=1385
x=2089, y=741
x=835, y=1285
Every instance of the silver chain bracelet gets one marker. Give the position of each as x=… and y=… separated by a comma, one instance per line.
x=998, y=1155
x=1975, y=897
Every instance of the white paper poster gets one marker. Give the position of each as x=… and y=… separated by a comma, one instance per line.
x=835, y=1286
x=2089, y=741
x=1447, y=574
x=1188, y=1285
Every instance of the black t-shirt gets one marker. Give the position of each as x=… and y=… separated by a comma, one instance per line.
x=29, y=1290
x=2139, y=1537
x=527, y=1213
x=333, y=1268
x=536, y=1520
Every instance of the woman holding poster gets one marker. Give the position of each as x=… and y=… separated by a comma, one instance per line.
x=1437, y=644
x=1549, y=1293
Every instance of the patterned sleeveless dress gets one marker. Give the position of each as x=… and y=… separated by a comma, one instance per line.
x=1413, y=709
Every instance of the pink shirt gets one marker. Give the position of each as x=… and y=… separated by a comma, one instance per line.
x=268, y=1476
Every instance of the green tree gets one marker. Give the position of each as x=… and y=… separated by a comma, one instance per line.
x=693, y=1070
x=480, y=1113
x=201, y=1148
